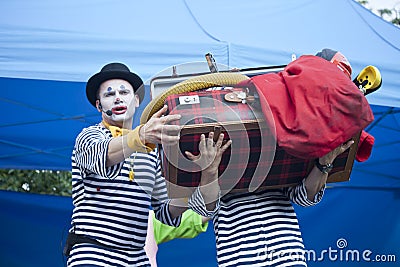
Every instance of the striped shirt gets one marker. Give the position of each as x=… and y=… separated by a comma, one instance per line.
x=111, y=208
x=261, y=229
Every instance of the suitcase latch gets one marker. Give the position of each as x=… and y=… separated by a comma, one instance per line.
x=239, y=97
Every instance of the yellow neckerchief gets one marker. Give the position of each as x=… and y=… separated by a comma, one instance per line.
x=115, y=131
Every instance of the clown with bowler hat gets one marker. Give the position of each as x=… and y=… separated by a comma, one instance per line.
x=116, y=175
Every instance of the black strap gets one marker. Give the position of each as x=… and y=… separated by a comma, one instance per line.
x=74, y=239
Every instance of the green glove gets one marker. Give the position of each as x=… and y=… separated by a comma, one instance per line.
x=191, y=226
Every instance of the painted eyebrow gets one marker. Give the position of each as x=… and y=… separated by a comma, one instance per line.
x=108, y=92
x=122, y=88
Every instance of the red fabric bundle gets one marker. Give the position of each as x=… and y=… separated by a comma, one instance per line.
x=365, y=146
x=316, y=107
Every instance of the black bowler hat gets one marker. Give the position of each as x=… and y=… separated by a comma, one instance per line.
x=113, y=71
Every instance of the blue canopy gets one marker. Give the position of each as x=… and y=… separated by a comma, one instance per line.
x=48, y=50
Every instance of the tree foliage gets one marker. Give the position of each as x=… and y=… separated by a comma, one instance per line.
x=386, y=12
x=396, y=21
x=36, y=181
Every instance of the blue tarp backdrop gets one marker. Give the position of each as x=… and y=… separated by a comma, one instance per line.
x=48, y=49
x=352, y=226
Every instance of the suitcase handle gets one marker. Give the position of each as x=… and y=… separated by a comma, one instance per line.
x=190, y=85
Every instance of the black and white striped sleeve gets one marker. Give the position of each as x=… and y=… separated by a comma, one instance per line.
x=298, y=195
x=91, y=148
x=196, y=203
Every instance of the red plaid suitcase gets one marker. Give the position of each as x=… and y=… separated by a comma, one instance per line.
x=254, y=161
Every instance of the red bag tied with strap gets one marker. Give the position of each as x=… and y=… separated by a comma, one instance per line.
x=315, y=106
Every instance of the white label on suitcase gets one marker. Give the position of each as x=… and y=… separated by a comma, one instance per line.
x=189, y=100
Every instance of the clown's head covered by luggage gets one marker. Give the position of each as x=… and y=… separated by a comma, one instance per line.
x=366, y=140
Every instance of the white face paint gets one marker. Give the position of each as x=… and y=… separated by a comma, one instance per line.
x=118, y=96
